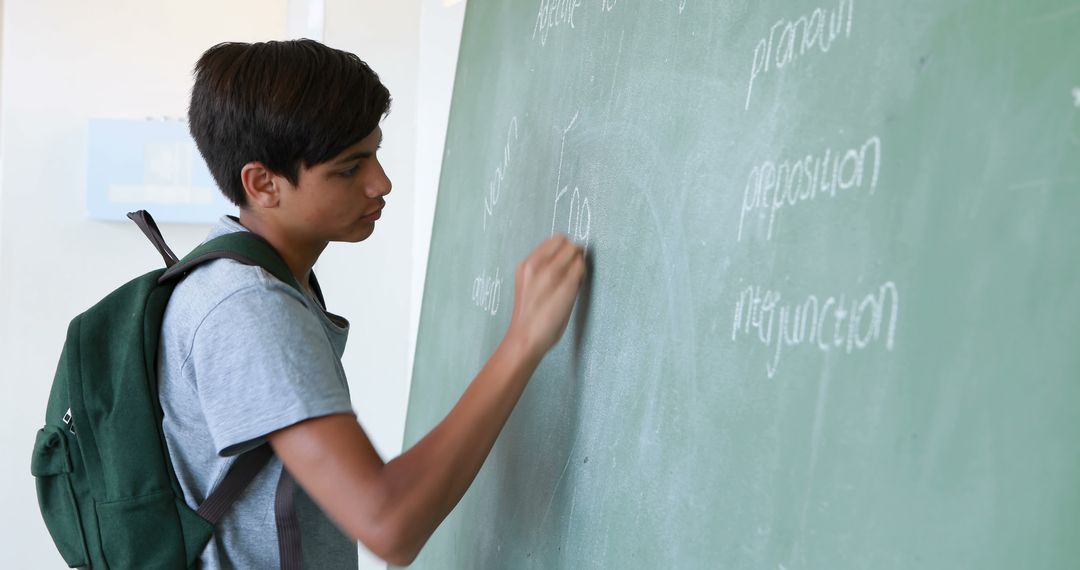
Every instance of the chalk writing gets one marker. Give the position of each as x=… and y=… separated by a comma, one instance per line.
x=796, y=37
x=578, y=216
x=608, y=5
x=1076, y=96
x=554, y=13
x=494, y=191
x=578, y=212
x=486, y=291
x=771, y=186
x=829, y=324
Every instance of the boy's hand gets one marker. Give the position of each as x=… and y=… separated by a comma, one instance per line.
x=546, y=284
x=393, y=508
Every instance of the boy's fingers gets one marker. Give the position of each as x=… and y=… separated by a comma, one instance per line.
x=571, y=276
x=551, y=245
x=577, y=269
x=566, y=256
x=564, y=253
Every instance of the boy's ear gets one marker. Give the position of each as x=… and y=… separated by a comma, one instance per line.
x=259, y=185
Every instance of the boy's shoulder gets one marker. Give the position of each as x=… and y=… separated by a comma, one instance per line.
x=228, y=283
x=216, y=281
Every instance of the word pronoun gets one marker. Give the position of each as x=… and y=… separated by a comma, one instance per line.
x=797, y=37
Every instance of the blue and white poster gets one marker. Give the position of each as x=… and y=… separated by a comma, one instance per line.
x=148, y=164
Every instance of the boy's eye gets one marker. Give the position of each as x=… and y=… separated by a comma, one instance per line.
x=349, y=173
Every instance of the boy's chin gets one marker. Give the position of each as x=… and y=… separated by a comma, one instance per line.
x=360, y=234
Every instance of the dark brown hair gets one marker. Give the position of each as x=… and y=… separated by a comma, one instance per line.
x=282, y=103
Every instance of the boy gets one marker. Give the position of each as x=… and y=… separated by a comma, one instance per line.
x=290, y=133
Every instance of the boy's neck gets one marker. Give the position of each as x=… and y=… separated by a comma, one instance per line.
x=299, y=255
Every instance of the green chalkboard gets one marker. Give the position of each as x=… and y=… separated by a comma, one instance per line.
x=833, y=319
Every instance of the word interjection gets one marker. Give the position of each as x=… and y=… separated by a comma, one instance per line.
x=832, y=324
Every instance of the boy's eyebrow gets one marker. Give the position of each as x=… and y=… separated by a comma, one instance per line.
x=351, y=157
x=356, y=155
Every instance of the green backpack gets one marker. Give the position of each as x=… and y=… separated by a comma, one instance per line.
x=105, y=482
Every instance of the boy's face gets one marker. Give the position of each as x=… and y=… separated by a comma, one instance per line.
x=340, y=199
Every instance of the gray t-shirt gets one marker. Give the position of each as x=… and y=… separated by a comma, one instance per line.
x=242, y=355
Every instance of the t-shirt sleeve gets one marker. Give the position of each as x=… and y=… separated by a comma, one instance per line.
x=262, y=361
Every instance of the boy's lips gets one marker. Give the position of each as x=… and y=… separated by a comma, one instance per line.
x=375, y=214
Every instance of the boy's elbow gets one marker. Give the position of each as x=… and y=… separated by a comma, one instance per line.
x=395, y=554
x=401, y=558
x=391, y=544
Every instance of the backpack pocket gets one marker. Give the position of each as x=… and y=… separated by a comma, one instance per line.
x=51, y=468
x=142, y=532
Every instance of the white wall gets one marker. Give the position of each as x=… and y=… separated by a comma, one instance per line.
x=65, y=61
x=440, y=37
x=1, y=137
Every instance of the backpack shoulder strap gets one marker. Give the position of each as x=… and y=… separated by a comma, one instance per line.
x=246, y=247
x=146, y=223
x=250, y=249
x=241, y=473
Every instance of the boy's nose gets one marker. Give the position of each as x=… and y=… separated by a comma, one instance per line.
x=381, y=186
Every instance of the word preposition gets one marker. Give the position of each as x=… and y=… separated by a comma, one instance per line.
x=771, y=186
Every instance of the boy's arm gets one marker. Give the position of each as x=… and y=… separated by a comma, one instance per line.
x=393, y=508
